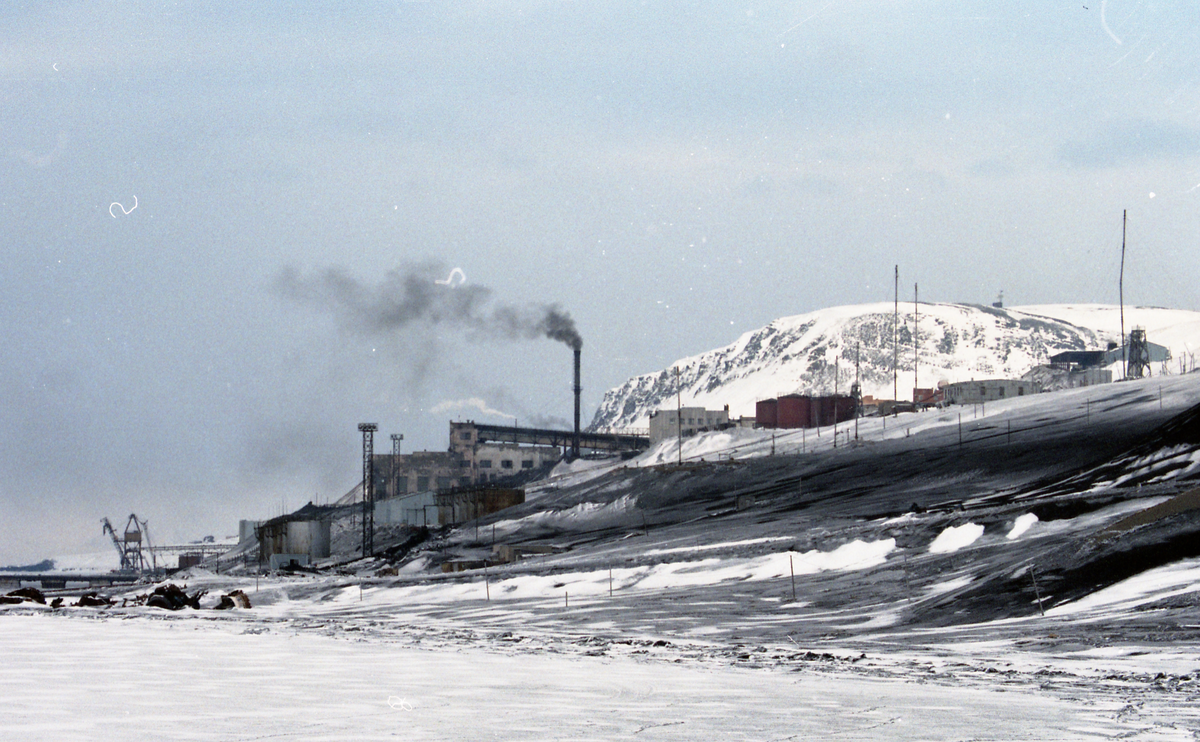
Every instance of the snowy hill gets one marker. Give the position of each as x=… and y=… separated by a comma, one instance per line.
x=955, y=342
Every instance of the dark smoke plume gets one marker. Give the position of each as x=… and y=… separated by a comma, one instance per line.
x=413, y=295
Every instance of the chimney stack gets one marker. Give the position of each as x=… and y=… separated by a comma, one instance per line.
x=578, y=390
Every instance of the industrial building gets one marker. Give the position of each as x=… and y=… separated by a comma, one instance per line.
x=1056, y=376
x=488, y=459
x=686, y=421
x=1138, y=347
x=987, y=390
x=804, y=411
x=417, y=509
x=301, y=537
x=468, y=503
x=472, y=459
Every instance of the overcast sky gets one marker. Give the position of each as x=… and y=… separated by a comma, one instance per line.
x=668, y=174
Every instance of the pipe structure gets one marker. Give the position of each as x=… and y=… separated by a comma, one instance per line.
x=578, y=392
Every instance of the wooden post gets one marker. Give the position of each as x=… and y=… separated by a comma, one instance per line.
x=679, y=414
x=836, y=364
x=1120, y=294
x=916, y=348
x=1036, y=591
x=792, y=569
x=896, y=346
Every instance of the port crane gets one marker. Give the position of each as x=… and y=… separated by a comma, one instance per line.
x=134, y=558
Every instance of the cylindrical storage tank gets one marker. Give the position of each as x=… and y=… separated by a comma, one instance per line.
x=309, y=537
x=794, y=411
x=246, y=529
x=845, y=408
x=766, y=413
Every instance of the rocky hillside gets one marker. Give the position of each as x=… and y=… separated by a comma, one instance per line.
x=817, y=352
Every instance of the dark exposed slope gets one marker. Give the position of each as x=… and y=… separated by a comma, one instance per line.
x=1065, y=470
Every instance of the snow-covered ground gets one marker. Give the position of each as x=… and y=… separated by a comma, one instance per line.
x=232, y=680
x=887, y=589
x=318, y=659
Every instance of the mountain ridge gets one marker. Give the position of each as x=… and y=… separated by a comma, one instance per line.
x=816, y=353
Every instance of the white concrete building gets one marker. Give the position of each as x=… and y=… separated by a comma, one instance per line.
x=666, y=423
x=987, y=390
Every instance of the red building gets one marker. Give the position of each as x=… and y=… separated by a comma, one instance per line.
x=927, y=397
x=795, y=411
x=804, y=411
x=766, y=413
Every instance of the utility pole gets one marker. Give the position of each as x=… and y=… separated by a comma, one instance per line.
x=857, y=388
x=368, y=488
x=679, y=414
x=896, y=347
x=835, y=398
x=916, y=348
x=1121, y=294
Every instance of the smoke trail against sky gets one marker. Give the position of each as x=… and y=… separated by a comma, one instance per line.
x=413, y=295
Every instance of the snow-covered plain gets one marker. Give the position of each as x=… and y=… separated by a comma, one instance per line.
x=234, y=680
x=327, y=659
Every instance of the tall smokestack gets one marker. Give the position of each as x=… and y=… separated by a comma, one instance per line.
x=578, y=390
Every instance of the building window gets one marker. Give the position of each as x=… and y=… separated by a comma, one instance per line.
x=485, y=463
x=401, y=485
x=527, y=464
x=465, y=436
x=1001, y=391
x=464, y=464
x=422, y=484
x=1020, y=391
x=982, y=391
x=443, y=483
x=506, y=464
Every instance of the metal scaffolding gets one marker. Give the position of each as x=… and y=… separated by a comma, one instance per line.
x=1137, y=363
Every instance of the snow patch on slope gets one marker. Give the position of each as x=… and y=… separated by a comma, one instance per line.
x=956, y=537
